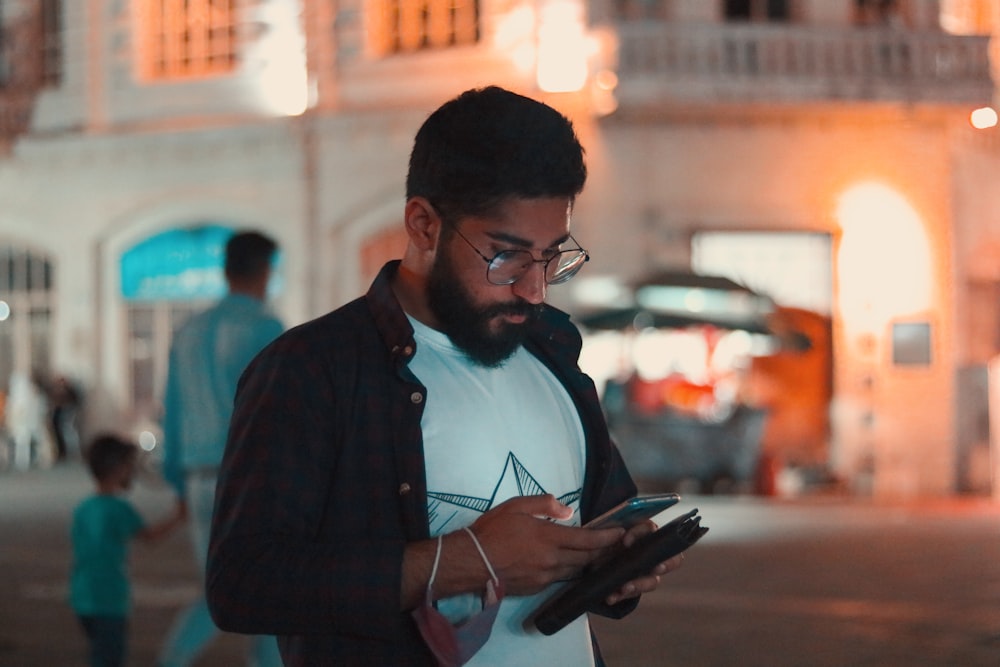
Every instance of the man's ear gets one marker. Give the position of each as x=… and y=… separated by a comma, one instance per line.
x=423, y=226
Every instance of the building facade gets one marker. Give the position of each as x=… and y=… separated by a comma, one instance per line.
x=136, y=133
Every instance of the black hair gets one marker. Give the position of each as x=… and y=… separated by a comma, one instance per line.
x=488, y=145
x=249, y=254
x=107, y=452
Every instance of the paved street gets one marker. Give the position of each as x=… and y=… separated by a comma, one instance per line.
x=807, y=583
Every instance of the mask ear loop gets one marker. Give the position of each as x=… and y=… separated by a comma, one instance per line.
x=434, y=568
x=482, y=554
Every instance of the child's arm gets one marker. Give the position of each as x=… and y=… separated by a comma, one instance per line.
x=156, y=531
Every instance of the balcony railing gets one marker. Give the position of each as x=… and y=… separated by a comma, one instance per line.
x=660, y=62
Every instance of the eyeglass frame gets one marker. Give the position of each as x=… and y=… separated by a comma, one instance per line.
x=544, y=262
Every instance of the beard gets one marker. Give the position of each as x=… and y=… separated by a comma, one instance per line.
x=468, y=325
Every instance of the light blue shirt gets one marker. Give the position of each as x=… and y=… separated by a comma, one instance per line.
x=207, y=357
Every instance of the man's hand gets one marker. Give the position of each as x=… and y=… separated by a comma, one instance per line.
x=646, y=584
x=529, y=551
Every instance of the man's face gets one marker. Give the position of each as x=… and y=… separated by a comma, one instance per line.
x=489, y=322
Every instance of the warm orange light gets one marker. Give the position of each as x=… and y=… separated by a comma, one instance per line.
x=983, y=118
x=884, y=257
x=514, y=36
x=602, y=92
x=562, y=47
x=606, y=80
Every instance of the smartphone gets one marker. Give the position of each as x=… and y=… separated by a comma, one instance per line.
x=634, y=510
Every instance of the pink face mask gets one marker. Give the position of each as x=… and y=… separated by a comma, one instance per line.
x=452, y=645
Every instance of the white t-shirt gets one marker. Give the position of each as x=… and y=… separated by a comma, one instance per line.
x=491, y=434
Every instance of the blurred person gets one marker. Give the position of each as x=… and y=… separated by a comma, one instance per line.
x=208, y=354
x=411, y=470
x=103, y=526
x=64, y=404
x=25, y=416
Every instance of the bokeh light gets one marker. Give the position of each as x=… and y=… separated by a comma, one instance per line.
x=983, y=118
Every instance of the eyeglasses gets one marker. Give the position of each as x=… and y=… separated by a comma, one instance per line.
x=508, y=266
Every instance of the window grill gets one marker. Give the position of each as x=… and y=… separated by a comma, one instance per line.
x=405, y=26
x=188, y=38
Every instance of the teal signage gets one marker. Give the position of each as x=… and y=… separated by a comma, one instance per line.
x=177, y=265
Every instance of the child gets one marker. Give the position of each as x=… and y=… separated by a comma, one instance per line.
x=103, y=525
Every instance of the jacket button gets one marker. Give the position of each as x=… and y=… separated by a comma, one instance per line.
x=416, y=397
x=404, y=488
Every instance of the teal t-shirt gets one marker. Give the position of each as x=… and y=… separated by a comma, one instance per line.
x=103, y=526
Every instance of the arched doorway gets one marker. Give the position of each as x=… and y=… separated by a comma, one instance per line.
x=164, y=279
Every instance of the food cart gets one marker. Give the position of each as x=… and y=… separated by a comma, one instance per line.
x=682, y=400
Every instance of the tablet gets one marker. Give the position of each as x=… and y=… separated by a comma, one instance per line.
x=636, y=561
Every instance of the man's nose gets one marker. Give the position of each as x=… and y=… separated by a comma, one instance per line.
x=531, y=286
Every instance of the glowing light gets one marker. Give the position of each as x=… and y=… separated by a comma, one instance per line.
x=606, y=80
x=4, y=310
x=603, y=101
x=524, y=57
x=884, y=257
x=983, y=118
x=602, y=357
x=514, y=36
x=283, y=79
x=659, y=352
x=562, y=48
x=147, y=440
x=732, y=350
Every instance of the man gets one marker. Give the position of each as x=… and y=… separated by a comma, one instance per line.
x=206, y=359
x=364, y=444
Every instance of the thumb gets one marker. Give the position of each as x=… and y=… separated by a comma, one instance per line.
x=542, y=506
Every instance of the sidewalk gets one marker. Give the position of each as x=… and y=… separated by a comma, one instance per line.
x=808, y=582
x=37, y=628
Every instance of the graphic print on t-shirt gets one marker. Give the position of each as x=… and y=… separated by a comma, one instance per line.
x=448, y=509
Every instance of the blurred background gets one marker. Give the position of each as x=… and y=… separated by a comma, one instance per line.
x=791, y=212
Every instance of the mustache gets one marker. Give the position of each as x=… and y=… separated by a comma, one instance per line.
x=516, y=308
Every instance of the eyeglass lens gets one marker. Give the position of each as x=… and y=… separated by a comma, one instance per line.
x=509, y=266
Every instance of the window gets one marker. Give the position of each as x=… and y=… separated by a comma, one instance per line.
x=967, y=17
x=875, y=12
x=25, y=312
x=4, y=58
x=757, y=10
x=911, y=343
x=51, y=55
x=188, y=38
x=633, y=10
x=404, y=26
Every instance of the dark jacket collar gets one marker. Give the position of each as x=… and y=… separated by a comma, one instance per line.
x=552, y=332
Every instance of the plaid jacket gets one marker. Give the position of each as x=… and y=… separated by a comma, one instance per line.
x=322, y=483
